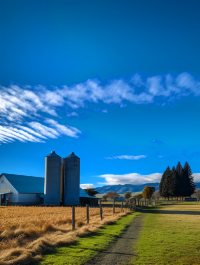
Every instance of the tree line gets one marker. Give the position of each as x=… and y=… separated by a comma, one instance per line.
x=177, y=182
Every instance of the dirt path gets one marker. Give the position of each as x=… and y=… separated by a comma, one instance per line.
x=121, y=251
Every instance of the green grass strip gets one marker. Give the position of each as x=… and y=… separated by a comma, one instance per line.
x=88, y=246
x=169, y=238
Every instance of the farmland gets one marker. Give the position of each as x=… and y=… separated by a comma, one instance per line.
x=170, y=235
x=26, y=232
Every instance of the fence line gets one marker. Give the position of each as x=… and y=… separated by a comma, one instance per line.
x=131, y=206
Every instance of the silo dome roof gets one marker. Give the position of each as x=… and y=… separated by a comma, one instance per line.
x=53, y=153
x=72, y=155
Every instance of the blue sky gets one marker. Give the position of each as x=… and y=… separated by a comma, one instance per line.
x=116, y=82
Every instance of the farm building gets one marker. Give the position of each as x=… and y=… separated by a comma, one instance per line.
x=21, y=190
x=26, y=190
x=62, y=179
x=61, y=185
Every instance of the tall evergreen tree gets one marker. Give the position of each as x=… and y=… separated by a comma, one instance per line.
x=162, y=189
x=179, y=170
x=188, y=180
x=170, y=183
x=173, y=183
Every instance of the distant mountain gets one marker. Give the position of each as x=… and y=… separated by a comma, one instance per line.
x=129, y=187
x=125, y=188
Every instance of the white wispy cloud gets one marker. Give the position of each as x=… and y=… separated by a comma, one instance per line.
x=87, y=186
x=44, y=130
x=132, y=178
x=196, y=177
x=128, y=157
x=13, y=133
x=72, y=114
x=21, y=115
x=32, y=131
x=135, y=178
x=25, y=105
x=64, y=130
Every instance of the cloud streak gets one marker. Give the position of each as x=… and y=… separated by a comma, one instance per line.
x=87, y=186
x=127, y=157
x=26, y=106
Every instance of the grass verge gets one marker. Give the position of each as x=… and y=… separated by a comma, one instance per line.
x=170, y=236
x=88, y=246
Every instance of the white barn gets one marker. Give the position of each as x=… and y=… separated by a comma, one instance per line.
x=21, y=190
x=26, y=190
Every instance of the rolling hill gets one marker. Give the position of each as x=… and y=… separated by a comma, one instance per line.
x=121, y=189
x=125, y=188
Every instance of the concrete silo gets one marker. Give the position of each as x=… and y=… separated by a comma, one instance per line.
x=52, y=179
x=71, y=179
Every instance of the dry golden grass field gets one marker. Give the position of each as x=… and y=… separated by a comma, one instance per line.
x=26, y=232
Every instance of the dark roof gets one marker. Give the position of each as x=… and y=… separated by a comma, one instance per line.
x=72, y=155
x=83, y=194
x=26, y=184
x=53, y=153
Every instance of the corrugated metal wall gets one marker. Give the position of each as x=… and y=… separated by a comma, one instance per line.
x=52, y=179
x=71, y=180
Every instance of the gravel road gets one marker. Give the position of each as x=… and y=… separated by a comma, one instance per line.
x=121, y=251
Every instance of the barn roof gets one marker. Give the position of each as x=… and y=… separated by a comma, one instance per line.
x=26, y=184
x=83, y=194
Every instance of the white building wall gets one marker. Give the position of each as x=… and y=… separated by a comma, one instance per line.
x=5, y=185
x=18, y=198
x=28, y=199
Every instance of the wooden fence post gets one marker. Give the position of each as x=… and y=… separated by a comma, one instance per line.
x=113, y=205
x=87, y=213
x=73, y=217
x=122, y=206
x=101, y=213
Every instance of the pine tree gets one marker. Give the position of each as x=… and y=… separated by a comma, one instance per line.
x=179, y=170
x=166, y=183
x=188, y=180
x=177, y=182
x=173, y=183
x=162, y=189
